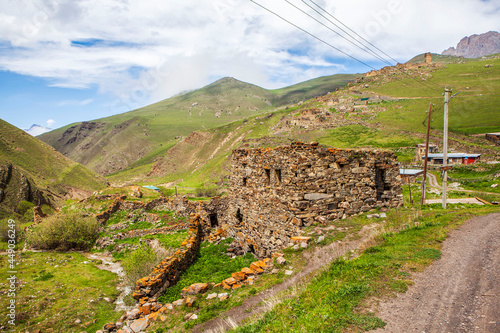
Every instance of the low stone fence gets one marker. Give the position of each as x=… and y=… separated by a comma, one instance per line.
x=181, y=205
x=167, y=273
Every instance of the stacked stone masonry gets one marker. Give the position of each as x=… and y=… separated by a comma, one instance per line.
x=276, y=192
x=167, y=273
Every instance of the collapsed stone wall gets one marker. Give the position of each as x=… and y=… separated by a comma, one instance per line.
x=181, y=205
x=167, y=273
x=276, y=192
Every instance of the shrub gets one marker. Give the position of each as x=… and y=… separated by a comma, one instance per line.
x=24, y=206
x=206, y=191
x=140, y=263
x=64, y=232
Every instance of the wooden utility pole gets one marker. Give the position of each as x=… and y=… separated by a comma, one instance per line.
x=424, y=180
x=445, y=145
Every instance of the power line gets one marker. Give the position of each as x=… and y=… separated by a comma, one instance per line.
x=350, y=29
x=367, y=49
x=378, y=56
x=310, y=34
x=337, y=49
x=305, y=13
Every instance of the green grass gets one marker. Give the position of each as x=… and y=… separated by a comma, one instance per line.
x=336, y=299
x=212, y=265
x=58, y=288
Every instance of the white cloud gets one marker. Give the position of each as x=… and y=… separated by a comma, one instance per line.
x=182, y=45
x=50, y=123
x=72, y=102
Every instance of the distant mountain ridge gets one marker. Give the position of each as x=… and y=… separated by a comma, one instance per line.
x=112, y=144
x=35, y=130
x=476, y=46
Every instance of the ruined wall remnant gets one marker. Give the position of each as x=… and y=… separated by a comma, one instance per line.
x=276, y=192
x=167, y=273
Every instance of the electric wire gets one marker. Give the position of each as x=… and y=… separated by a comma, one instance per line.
x=365, y=47
x=361, y=48
x=310, y=34
x=350, y=29
x=402, y=71
x=345, y=53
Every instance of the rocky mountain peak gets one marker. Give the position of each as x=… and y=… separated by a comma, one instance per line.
x=476, y=46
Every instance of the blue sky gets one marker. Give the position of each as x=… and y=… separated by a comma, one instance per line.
x=63, y=61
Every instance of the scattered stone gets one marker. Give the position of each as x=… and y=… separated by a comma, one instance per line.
x=179, y=302
x=247, y=271
x=139, y=324
x=107, y=299
x=238, y=276
x=383, y=215
x=211, y=296
x=78, y=321
x=188, y=316
x=190, y=301
x=494, y=185
x=303, y=245
x=296, y=247
x=110, y=327
x=287, y=272
x=146, y=308
x=193, y=317
x=133, y=314
x=320, y=239
x=275, y=271
x=119, y=324
x=194, y=289
x=227, y=283
x=223, y=296
x=300, y=239
x=281, y=261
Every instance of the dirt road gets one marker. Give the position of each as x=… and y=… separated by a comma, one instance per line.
x=458, y=293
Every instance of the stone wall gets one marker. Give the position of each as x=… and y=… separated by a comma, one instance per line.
x=167, y=273
x=276, y=192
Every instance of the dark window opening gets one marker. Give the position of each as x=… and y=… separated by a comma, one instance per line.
x=268, y=176
x=278, y=175
x=380, y=183
x=251, y=248
x=245, y=181
x=239, y=216
x=214, y=221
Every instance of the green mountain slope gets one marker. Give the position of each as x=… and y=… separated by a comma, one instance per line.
x=111, y=144
x=33, y=171
x=395, y=121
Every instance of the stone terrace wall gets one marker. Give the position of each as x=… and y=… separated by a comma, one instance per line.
x=276, y=192
x=167, y=273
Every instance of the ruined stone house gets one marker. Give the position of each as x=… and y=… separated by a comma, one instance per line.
x=276, y=192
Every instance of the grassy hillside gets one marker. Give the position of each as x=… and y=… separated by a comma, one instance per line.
x=111, y=144
x=399, y=123
x=46, y=169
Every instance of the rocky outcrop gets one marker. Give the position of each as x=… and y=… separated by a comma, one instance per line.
x=15, y=187
x=476, y=46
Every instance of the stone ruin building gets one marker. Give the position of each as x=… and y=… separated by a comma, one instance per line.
x=275, y=192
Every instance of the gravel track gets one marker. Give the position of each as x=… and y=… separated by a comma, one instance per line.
x=460, y=292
